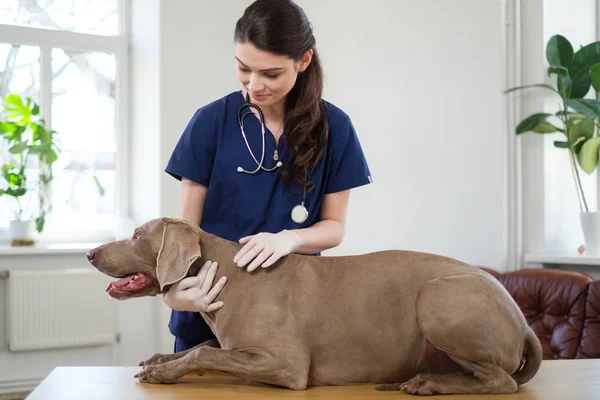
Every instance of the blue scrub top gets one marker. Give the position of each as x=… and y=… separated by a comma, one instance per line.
x=237, y=204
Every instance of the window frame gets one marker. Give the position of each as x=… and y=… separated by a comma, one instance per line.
x=47, y=39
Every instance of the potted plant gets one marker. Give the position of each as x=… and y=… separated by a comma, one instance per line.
x=29, y=143
x=577, y=118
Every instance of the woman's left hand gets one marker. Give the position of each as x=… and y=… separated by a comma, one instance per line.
x=264, y=249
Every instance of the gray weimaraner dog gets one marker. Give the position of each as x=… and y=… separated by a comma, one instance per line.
x=410, y=321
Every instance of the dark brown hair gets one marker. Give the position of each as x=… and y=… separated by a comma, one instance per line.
x=281, y=27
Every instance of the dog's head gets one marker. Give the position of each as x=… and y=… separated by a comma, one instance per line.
x=158, y=254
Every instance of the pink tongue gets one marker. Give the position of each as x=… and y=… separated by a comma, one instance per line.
x=124, y=281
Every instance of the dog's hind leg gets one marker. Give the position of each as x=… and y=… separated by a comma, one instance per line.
x=472, y=319
x=261, y=365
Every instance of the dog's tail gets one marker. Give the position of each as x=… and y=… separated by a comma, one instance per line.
x=533, y=359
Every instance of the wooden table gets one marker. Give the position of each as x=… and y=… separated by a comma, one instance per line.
x=557, y=379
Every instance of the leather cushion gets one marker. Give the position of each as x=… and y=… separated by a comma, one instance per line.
x=554, y=304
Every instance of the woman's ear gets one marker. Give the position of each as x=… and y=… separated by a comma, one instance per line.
x=305, y=60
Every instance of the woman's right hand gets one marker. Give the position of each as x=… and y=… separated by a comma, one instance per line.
x=196, y=293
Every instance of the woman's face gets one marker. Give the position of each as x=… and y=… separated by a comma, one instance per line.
x=266, y=76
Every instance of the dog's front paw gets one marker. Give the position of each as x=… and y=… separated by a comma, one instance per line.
x=158, y=359
x=158, y=374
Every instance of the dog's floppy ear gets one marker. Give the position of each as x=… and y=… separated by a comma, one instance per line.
x=179, y=249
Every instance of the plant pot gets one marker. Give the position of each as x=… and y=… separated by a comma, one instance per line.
x=22, y=232
x=590, y=223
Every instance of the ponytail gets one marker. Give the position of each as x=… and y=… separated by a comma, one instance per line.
x=306, y=127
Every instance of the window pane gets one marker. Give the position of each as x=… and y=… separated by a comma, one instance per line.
x=19, y=70
x=84, y=115
x=20, y=74
x=86, y=16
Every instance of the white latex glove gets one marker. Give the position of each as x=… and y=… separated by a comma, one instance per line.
x=266, y=248
x=194, y=293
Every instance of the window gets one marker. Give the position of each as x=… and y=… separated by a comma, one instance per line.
x=71, y=57
x=561, y=221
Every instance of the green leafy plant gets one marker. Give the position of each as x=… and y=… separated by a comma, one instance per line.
x=28, y=139
x=577, y=117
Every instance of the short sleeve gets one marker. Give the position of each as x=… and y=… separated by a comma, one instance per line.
x=194, y=153
x=349, y=168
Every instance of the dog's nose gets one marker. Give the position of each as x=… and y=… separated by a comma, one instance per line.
x=90, y=255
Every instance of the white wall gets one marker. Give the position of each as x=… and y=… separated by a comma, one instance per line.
x=423, y=84
x=532, y=55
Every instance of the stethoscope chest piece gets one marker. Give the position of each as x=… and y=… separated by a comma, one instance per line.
x=299, y=214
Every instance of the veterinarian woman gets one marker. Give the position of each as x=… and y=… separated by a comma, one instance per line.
x=280, y=193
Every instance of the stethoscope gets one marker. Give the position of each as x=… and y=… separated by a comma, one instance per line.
x=299, y=212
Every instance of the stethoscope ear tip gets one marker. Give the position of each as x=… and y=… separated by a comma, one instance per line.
x=240, y=169
x=279, y=163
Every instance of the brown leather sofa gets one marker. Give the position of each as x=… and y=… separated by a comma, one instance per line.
x=562, y=307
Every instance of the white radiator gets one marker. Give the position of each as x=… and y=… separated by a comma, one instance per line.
x=59, y=308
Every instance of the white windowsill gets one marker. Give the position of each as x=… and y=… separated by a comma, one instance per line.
x=62, y=248
x=562, y=258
